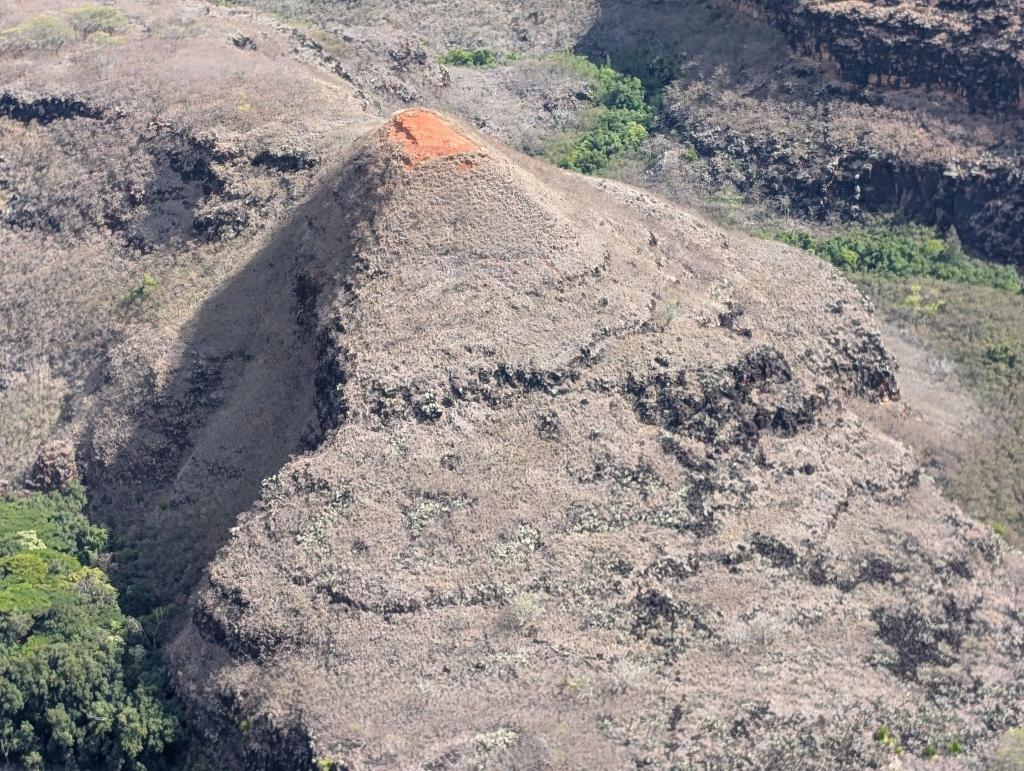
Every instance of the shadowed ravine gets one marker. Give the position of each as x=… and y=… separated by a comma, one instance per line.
x=240, y=401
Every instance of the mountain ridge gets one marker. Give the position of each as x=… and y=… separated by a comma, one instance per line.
x=489, y=541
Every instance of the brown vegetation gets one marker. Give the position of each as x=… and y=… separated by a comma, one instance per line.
x=491, y=464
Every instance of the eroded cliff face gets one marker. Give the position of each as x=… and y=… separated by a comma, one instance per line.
x=845, y=176
x=972, y=50
x=594, y=489
x=759, y=92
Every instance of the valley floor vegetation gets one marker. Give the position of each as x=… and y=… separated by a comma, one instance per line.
x=619, y=117
x=904, y=250
x=470, y=57
x=976, y=332
x=970, y=315
x=79, y=683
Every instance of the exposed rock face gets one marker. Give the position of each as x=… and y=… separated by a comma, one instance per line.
x=981, y=197
x=587, y=489
x=54, y=467
x=973, y=52
x=788, y=124
x=973, y=49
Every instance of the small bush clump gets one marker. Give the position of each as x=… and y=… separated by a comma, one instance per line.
x=470, y=57
x=87, y=19
x=924, y=302
x=51, y=32
x=618, y=123
x=142, y=291
x=903, y=251
x=1003, y=353
x=45, y=33
x=885, y=737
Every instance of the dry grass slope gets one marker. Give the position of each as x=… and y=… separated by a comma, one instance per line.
x=450, y=458
x=602, y=463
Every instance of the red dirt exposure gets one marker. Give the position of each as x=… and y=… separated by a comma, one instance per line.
x=423, y=135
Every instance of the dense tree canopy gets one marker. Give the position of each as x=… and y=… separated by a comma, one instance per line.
x=618, y=122
x=74, y=689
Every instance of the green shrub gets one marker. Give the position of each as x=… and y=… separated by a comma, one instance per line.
x=57, y=520
x=145, y=288
x=798, y=238
x=618, y=123
x=470, y=57
x=52, y=32
x=46, y=32
x=1002, y=353
x=926, y=302
x=730, y=198
x=74, y=693
x=613, y=131
x=87, y=19
x=904, y=251
x=616, y=91
x=886, y=738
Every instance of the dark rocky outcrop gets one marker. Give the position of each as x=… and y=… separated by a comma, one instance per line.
x=971, y=49
x=981, y=198
x=45, y=109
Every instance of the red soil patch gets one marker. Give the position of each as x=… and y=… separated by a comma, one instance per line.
x=423, y=135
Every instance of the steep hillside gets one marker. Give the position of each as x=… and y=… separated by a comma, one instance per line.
x=821, y=110
x=416, y=451
x=594, y=492
x=159, y=155
x=750, y=118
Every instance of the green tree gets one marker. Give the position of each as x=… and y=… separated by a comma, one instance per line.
x=72, y=694
x=470, y=57
x=618, y=123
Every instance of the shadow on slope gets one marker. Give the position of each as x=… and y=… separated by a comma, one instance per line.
x=253, y=384
x=664, y=42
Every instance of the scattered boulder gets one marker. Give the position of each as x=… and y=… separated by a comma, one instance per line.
x=54, y=468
